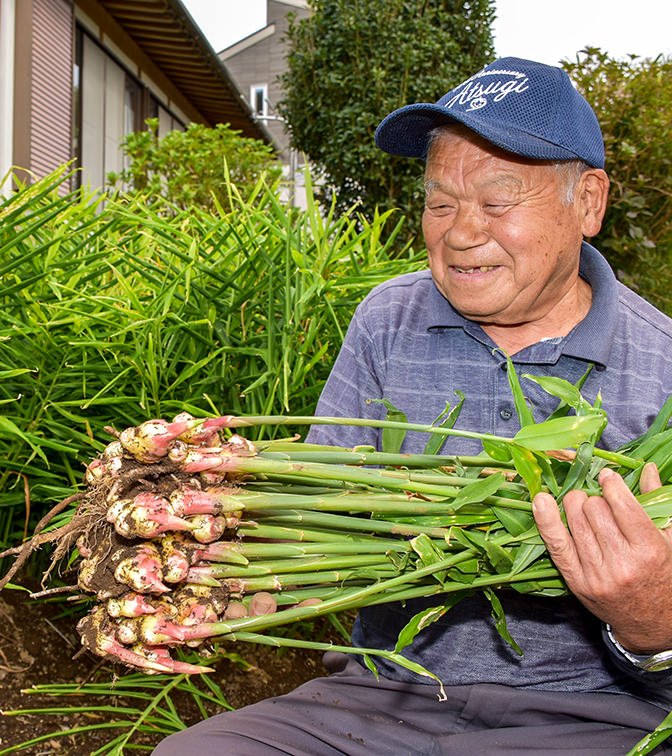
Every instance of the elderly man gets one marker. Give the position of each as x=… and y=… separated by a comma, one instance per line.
x=514, y=181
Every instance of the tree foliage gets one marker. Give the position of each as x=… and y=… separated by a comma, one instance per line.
x=354, y=61
x=633, y=102
x=190, y=167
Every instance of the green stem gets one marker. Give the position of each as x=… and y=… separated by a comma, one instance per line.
x=292, y=565
x=296, y=453
x=398, y=480
x=220, y=550
x=356, y=502
x=251, y=420
x=351, y=600
x=391, y=656
x=274, y=526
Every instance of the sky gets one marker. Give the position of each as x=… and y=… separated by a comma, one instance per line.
x=535, y=29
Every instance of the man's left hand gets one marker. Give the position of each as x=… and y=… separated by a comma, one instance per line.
x=614, y=559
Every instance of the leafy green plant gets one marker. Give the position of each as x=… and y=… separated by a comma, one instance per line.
x=632, y=98
x=194, y=167
x=471, y=530
x=111, y=316
x=117, y=310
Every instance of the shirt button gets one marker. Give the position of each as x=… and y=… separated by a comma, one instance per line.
x=506, y=413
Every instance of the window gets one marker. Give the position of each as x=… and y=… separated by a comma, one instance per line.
x=132, y=105
x=109, y=103
x=77, y=106
x=259, y=100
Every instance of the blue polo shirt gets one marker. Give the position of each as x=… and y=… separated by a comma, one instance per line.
x=408, y=345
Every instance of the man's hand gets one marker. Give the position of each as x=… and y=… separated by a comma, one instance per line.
x=614, y=559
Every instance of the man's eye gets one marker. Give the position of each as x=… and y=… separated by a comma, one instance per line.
x=439, y=207
x=497, y=208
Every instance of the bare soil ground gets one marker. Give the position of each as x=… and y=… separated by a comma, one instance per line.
x=37, y=645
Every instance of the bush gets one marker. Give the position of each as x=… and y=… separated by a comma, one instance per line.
x=633, y=101
x=192, y=167
x=350, y=64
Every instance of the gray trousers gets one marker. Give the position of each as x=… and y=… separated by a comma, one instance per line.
x=349, y=713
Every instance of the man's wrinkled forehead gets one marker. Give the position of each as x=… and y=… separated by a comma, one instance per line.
x=458, y=153
x=505, y=182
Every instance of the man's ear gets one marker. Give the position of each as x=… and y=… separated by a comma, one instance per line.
x=591, y=195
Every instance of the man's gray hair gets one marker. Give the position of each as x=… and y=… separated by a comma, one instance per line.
x=570, y=170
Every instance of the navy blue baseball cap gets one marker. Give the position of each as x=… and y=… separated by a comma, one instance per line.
x=523, y=107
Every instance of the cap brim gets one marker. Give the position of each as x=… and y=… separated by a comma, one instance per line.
x=405, y=133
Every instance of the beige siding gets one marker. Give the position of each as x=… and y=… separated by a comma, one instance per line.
x=103, y=114
x=260, y=60
x=165, y=122
x=51, y=86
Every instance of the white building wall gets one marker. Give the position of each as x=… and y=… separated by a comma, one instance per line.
x=93, y=114
x=7, y=25
x=115, y=90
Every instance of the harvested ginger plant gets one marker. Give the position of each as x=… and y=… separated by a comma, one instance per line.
x=143, y=521
x=175, y=552
x=185, y=538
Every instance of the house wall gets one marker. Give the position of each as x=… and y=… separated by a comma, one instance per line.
x=72, y=85
x=50, y=85
x=116, y=97
x=259, y=59
x=124, y=50
x=42, y=86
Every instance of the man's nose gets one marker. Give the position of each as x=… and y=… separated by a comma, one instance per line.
x=468, y=228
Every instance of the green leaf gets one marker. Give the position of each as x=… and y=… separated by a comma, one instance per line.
x=399, y=560
x=547, y=475
x=370, y=665
x=564, y=390
x=579, y=469
x=9, y=428
x=500, y=620
x=478, y=491
x=547, y=587
x=523, y=410
x=661, y=420
x=500, y=559
x=15, y=372
x=449, y=417
x=560, y=433
x=513, y=520
x=429, y=554
x=497, y=450
x=423, y=619
x=418, y=669
x=465, y=571
x=526, y=554
x=392, y=438
x=528, y=468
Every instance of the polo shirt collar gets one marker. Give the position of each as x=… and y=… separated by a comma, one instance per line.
x=590, y=340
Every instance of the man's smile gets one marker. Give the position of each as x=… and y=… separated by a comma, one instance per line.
x=479, y=269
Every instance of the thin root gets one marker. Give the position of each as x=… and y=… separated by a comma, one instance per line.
x=36, y=541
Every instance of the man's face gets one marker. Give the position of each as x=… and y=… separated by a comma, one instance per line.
x=503, y=245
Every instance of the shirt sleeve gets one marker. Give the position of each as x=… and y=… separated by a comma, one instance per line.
x=354, y=382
